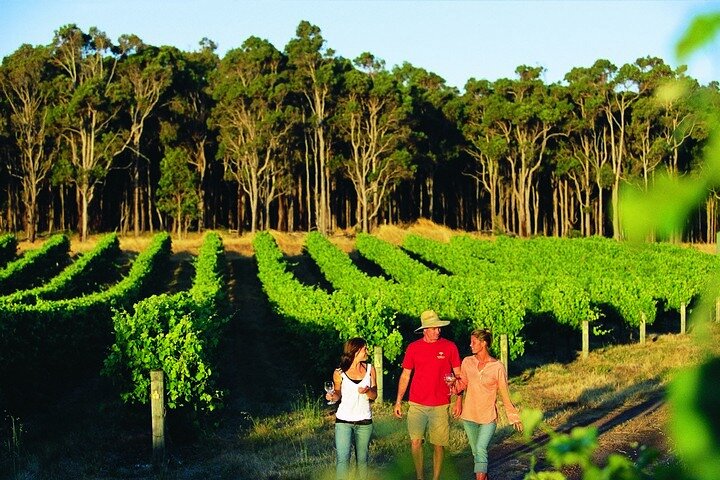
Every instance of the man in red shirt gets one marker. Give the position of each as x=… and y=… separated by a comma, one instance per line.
x=428, y=359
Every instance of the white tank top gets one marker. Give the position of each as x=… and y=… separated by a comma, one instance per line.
x=353, y=405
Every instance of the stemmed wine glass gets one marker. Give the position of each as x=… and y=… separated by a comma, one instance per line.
x=330, y=388
x=449, y=378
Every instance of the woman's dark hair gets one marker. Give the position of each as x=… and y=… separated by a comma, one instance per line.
x=350, y=349
x=483, y=334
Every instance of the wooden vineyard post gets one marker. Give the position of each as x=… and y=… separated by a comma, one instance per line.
x=157, y=412
x=643, y=322
x=378, y=361
x=504, y=351
x=683, y=318
x=585, y=339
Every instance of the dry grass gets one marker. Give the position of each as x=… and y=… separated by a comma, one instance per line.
x=710, y=248
x=608, y=378
x=292, y=242
x=396, y=234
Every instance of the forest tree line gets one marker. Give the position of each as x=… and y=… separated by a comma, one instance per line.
x=97, y=135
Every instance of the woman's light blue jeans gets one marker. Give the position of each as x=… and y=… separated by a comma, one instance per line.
x=479, y=435
x=345, y=433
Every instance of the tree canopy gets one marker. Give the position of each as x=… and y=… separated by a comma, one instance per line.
x=99, y=135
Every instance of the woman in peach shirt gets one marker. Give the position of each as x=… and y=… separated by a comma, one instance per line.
x=482, y=376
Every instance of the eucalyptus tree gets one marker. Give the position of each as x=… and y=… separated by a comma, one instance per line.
x=177, y=190
x=588, y=90
x=435, y=140
x=680, y=121
x=143, y=75
x=646, y=145
x=527, y=115
x=485, y=145
x=184, y=113
x=628, y=88
x=372, y=118
x=315, y=78
x=25, y=79
x=90, y=130
x=254, y=120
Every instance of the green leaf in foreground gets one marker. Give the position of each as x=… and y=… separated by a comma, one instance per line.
x=701, y=31
x=695, y=421
x=663, y=209
x=531, y=419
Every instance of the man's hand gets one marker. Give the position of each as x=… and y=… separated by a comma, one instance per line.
x=398, y=409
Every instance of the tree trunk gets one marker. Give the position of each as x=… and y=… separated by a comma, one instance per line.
x=84, y=214
x=478, y=193
x=240, y=210
x=461, y=210
x=125, y=215
x=615, y=202
x=587, y=231
x=600, y=216
x=348, y=212
x=136, y=197
x=149, y=201
x=31, y=215
x=429, y=185
x=308, y=197
x=710, y=219
x=536, y=210
x=62, y=207
x=291, y=213
x=556, y=211
x=281, y=213
x=51, y=211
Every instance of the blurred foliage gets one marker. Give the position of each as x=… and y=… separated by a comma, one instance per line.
x=702, y=30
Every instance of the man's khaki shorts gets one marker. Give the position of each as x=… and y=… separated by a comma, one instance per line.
x=433, y=419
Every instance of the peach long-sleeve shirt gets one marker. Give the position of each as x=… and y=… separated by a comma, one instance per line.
x=481, y=387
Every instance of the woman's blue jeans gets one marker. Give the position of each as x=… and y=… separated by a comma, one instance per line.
x=345, y=433
x=479, y=435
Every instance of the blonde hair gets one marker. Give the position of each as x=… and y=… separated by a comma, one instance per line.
x=483, y=334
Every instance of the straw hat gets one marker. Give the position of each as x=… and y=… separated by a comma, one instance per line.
x=430, y=319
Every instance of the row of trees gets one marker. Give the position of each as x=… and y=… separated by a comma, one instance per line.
x=305, y=139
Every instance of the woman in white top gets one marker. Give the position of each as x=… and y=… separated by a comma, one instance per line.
x=355, y=386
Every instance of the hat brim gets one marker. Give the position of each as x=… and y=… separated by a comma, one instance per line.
x=440, y=323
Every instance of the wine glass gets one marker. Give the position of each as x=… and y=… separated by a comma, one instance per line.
x=330, y=388
x=449, y=378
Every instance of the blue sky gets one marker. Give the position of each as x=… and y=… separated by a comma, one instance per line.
x=455, y=39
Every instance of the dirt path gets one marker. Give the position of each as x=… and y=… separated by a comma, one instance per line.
x=623, y=430
x=258, y=369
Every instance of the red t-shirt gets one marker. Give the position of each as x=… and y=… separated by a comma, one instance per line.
x=429, y=362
